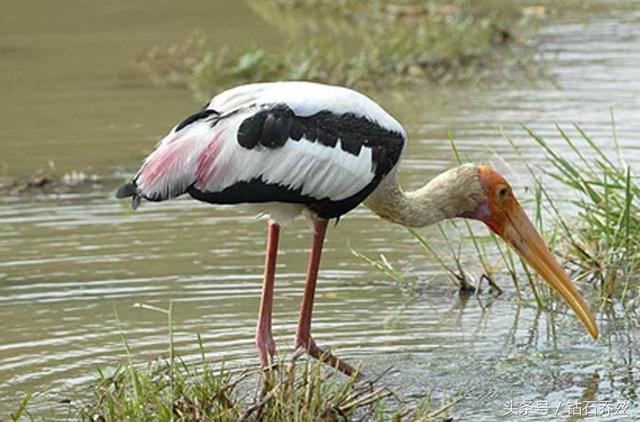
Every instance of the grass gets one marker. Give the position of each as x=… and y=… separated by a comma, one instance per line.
x=304, y=392
x=20, y=411
x=356, y=43
x=601, y=243
x=408, y=285
x=294, y=389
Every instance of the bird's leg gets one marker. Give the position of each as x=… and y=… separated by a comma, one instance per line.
x=303, y=336
x=264, y=338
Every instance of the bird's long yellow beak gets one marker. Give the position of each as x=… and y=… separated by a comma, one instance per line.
x=520, y=233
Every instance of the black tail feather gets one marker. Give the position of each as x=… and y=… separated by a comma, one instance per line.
x=129, y=189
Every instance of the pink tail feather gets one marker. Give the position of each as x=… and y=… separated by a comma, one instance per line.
x=175, y=164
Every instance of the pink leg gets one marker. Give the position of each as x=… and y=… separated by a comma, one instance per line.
x=264, y=338
x=303, y=336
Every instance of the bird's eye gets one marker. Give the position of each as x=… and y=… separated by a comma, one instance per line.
x=503, y=192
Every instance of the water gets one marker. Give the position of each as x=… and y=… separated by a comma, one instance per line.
x=71, y=95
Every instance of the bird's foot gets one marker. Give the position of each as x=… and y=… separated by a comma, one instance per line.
x=310, y=346
x=266, y=350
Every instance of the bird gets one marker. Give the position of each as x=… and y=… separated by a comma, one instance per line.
x=297, y=148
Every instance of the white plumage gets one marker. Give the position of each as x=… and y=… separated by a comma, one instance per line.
x=208, y=156
x=305, y=99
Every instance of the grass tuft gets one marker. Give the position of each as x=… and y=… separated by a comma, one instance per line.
x=600, y=241
x=170, y=389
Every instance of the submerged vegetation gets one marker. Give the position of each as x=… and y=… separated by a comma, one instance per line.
x=358, y=43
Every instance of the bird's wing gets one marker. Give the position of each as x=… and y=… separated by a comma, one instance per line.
x=306, y=99
x=287, y=142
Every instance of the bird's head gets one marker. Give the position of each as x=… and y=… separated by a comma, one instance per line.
x=499, y=209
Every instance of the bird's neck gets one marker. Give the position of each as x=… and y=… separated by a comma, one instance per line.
x=451, y=194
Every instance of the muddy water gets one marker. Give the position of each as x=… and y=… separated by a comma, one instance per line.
x=71, y=95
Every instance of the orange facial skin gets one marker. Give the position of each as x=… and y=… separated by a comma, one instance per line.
x=502, y=212
x=500, y=199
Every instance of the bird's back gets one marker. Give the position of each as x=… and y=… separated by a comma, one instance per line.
x=323, y=147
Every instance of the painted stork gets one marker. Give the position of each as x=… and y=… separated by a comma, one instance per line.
x=304, y=148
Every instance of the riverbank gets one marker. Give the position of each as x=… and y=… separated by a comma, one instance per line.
x=361, y=44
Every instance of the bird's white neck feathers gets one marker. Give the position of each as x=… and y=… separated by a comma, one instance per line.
x=448, y=195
